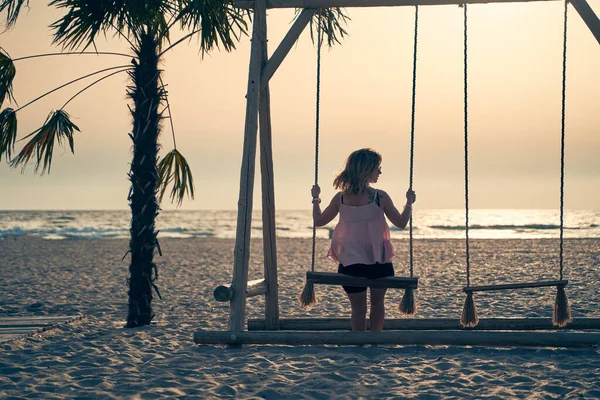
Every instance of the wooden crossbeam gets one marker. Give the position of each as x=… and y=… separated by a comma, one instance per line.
x=521, y=285
x=285, y=46
x=332, y=278
x=427, y=324
x=225, y=293
x=581, y=6
x=588, y=16
x=368, y=3
x=435, y=338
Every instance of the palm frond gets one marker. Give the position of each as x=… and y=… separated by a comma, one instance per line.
x=12, y=7
x=151, y=13
x=175, y=169
x=7, y=74
x=331, y=23
x=8, y=132
x=57, y=128
x=85, y=19
x=216, y=21
x=122, y=67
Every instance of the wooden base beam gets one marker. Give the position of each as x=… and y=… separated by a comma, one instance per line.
x=428, y=324
x=435, y=338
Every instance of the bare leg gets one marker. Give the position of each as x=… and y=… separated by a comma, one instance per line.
x=358, y=301
x=377, y=309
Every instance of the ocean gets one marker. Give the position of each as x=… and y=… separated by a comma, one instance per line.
x=427, y=224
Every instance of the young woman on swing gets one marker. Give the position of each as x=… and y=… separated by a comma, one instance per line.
x=361, y=239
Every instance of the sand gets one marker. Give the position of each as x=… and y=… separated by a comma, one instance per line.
x=97, y=358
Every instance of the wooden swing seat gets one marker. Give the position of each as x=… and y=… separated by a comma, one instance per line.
x=507, y=286
x=332, y=278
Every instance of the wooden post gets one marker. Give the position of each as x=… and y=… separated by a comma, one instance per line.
x=268, y=191
x=241, y=255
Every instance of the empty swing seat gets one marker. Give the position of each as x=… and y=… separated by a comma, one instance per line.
x=332, y=278
x=507, y=286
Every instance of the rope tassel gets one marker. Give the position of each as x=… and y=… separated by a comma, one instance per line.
x=562, y=312
x=407, y=305
x=469, y=318
x=307, y=297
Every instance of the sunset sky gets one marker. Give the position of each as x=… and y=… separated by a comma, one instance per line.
x=515, y=63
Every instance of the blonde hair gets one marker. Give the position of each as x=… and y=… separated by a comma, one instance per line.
x=354, y=179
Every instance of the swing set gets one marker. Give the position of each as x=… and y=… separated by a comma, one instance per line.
x=469, y=330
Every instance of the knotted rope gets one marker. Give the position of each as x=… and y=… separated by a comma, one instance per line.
x=469, y=314
x=407, y=305
x=308, y=297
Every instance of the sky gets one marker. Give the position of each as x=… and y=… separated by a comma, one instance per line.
x=515, y=67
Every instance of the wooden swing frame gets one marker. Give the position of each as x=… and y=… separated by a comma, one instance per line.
x=258, y=120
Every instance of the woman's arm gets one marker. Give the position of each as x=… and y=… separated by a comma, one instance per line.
x=325, y=217
x=399, y=219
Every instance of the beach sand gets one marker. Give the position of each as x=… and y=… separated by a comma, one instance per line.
x=96, y=358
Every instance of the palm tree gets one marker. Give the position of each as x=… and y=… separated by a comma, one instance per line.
x=145, y=25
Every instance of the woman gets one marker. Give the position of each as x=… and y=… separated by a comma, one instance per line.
x=361, y=240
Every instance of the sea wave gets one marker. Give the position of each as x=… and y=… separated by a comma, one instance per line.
x=509, y=227
x=505, y=227
x=73, y=233
x=443, y=224
x=97, y=233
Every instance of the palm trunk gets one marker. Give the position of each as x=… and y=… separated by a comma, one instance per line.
x=146, y=93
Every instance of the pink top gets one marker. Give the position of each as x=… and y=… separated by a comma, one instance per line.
x=362, y=236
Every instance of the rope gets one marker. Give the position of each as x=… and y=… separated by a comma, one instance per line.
x=466, y=148
x=319, y=40
x=412, y=132
x=562, y=139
